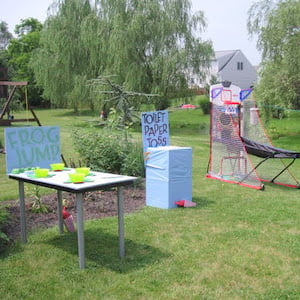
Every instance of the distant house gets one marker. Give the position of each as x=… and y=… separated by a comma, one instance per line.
x=233, y=66
x=229, y=65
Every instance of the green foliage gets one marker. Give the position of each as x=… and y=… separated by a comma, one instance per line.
x=204, y=104
x=133, y=160
x=277, y=25
x=147, y=45
x=5, y=35
x=19, y=53
x=15, y=106
x=3, y=236
x=108, y=150
x=27, y=26
x=116, y=98
x=62, y=62
x=37, y=204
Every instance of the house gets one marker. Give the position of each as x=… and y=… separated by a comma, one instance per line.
x=229, y=65
x=233, y=66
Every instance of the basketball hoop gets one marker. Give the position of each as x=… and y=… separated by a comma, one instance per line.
x=232, y=108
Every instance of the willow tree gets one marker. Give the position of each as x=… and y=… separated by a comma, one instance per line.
x=277, y=25
x=152, y=47
x=61, y=63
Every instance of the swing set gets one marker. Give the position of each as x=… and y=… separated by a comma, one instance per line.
x=4, y=93
x=13, y=85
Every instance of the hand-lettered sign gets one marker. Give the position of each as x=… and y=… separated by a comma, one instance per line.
x=28, y=147
x=155, y=129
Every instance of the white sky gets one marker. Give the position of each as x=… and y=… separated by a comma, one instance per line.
x=227, y=21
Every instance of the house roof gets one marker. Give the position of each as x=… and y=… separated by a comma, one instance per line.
x=226, y=56
x=219, y=54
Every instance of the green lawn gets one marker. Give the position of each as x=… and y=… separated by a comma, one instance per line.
x=238, y=243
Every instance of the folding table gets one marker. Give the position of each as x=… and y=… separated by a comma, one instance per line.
x=60, y=182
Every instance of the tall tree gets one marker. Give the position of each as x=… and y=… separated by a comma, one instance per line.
x=5, y=35
x=62, y=62
x=20, y=50
x=153, y=45
x=149, y=46
x=277, y=24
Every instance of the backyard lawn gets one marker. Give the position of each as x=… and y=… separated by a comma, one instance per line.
x=237, y=243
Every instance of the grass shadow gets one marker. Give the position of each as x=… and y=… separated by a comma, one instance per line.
x=9, y=248
x=279, y=186
x=203, y=202
x=102, y=250
x=71, y=113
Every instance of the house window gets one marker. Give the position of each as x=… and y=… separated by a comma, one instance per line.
x=240, y=65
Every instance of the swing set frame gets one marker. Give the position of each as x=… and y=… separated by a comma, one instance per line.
x=5, y=109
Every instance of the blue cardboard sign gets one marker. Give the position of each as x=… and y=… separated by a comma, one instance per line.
x=155, y=129
x=28, y=147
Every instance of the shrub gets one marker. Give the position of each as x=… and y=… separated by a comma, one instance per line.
x=133, y=162
x=108, y=151
x=204, y=104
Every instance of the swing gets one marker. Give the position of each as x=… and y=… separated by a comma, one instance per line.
x=5, y=109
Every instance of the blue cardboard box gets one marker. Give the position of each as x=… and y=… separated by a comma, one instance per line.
x=168, y=176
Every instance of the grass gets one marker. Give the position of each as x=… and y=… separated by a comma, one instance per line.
x=238, y=243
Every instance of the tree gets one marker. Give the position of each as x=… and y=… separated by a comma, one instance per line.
x=149, y=47
x=277, y=25
x=152, y=45
x=19, y=53
x=5, y=35
x=116, y=96
x=62, y=63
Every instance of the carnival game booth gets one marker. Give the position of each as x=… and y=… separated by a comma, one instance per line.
x=168, y=176
x=236, y=132
x=168, y=168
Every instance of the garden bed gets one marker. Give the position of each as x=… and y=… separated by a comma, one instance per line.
x=97, y=205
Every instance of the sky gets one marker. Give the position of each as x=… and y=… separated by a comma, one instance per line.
x=226, y=21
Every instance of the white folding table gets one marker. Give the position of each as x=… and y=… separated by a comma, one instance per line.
x=60, y=182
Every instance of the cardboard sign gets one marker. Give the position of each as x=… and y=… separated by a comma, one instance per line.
x=28, y=147
x=155, y=129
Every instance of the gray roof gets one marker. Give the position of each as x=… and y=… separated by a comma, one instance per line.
x=229, y=53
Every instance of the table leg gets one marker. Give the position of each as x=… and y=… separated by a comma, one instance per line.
x=59, y=212
x=22, y=212
x=121, y=222
x=80, y=233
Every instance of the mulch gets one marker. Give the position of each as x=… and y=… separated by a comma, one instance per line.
x=97, y=205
